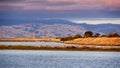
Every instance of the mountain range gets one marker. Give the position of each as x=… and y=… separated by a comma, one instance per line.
x=51, y=28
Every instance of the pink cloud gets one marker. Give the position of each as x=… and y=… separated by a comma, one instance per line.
x=111, y=5
x=78, y=5
x=49, y=8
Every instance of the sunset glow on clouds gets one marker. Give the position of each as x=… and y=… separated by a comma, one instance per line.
x=37, y=9
x=109, y=5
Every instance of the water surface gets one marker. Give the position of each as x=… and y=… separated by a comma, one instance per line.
x=49, y=44
x=35, y=43
x=58, y=59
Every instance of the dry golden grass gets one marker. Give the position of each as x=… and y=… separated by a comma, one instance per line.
x=36, y=39
x=96, y=41
x=84, y=41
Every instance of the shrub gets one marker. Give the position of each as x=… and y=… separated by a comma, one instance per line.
x=77, y=36
x=88, y=34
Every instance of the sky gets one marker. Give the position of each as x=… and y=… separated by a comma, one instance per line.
x=30, y=9
x=97, y=20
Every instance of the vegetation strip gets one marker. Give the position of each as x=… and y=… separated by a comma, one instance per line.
x=72, y=48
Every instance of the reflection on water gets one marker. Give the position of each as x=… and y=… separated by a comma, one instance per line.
x=58, y=59
x=53, y=44
x=34, y=43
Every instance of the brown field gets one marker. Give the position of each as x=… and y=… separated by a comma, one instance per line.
x=96, y=41
x=113, y=44
x=31, y=40
x=81, y=41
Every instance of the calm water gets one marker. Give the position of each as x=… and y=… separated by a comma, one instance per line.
x=58, y=59
x=46, y=44
x=35, y=43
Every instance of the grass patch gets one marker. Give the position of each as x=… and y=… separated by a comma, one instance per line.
x=69, y=48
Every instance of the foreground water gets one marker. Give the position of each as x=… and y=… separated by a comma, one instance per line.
x=58, y=59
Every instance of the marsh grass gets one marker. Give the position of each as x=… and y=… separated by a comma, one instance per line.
x=71, y=48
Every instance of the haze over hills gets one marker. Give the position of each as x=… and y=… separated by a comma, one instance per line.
x=40, y=21
x=51, y=28
x=102, y=28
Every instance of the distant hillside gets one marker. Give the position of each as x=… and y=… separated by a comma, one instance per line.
x=102, y=28
x=40, y=30
x=51, y=28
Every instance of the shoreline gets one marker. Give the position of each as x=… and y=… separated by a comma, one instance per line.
x=102, y=41
x=67, y=48
x=87, y=44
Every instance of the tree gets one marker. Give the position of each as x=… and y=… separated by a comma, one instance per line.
x=113, y=35
x=97, y=35
x=116, y=35
x=110, y=34
x=69, y=38
x=66, y=38
x=104, y=36
x=62, y=39
x=77, y=36
x=88, y=34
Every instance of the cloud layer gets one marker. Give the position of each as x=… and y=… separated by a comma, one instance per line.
x=98, y=21
x=106, y=5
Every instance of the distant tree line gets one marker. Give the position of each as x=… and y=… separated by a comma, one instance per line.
x=71, y=37
x=88, y=34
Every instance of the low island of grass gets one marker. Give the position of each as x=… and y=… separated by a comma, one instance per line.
x=112, y=41
x=106, y=43
x=67, y=48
